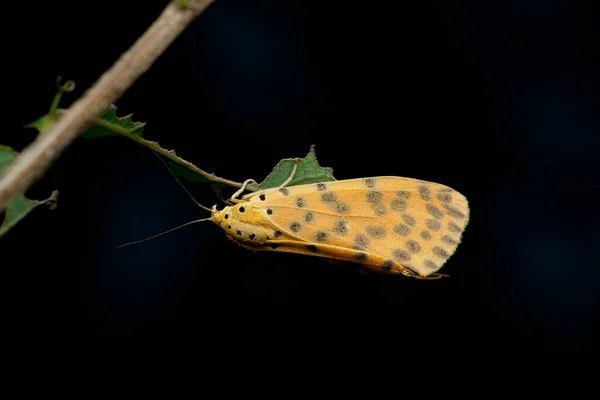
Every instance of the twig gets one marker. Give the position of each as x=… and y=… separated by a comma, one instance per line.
x=31, y=164
x=164, y=152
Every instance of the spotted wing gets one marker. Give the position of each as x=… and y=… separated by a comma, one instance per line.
x=390, y=223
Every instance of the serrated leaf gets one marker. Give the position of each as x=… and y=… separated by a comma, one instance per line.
x=19, y=206
x=109, y=124
x=308, y=171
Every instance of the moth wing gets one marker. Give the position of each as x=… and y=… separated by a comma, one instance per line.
x=336, y=255
x=396, y=222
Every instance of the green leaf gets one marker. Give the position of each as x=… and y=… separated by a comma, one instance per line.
x=20, y=206
x=308, y=171
x=109, y=124
x=43, y=123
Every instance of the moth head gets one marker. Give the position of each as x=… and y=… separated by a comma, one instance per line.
x=220, y=217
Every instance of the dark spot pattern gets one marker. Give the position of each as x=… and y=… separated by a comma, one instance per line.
x=242, y=209
x=321, y=236
x=263, y=197
x=226, y=216
x=401, y=255
x=444, y=197
x=434, y=211
x=340, y=227
x=277, y=234
x=341, y=207
x=370, y=183
x=430, y=264
x=300, y=202
x=239, y=233
x=398, y=205
x=448, y=239
x=453, y=212
x=424, y=193
x=312, y=248
x=379, y=209
x=401, y=229
x=409, y=220
x=295, y=227
x=274, y=246
x=252, y=236
x=373, y=196
x=403, y=194
x=361, y=256
x=425, y=235
x=228, y=226
x=375, y=231
x=328, y=197
x=361, y=240
x=453, y=227
x=387, y=266
x=321, y=187
x=432, y=224
x=413, y=246
x=309, y=217
x=269, y=211
x=438, y=251
x=284, y=191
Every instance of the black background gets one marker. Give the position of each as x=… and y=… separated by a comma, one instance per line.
x=497, y=99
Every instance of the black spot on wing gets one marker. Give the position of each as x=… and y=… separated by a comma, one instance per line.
x=312, y=248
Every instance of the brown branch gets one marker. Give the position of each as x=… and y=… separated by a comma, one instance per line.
x=31, y=164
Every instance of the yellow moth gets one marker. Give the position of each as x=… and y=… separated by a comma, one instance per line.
x=391, y=225
x=388, y=224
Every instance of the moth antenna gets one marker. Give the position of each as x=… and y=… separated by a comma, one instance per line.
x=181, y=184
x=164, y=233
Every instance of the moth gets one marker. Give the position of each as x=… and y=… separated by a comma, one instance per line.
x=387, y=224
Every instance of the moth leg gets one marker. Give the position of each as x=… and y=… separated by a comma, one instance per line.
x=289, y=179
x=233, y=198
x=435, y=275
